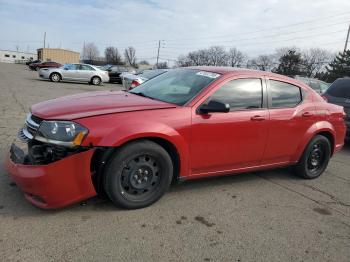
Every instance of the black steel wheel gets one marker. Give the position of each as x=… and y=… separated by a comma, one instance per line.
x=138, y=174
x=315, y=158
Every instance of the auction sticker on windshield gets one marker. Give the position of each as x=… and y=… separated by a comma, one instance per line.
x=208, y=74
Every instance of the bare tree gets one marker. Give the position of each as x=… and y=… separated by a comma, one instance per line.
x=162, y=65
x=90, y=51
x=130, y=57
x=262, y=62
x=235, y=57
x=144, y=62
x=217, y=56
x=112, y=56
x=315, y=60
x=183, y=61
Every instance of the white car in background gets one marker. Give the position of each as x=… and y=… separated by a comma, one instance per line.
x=75, y=72
x=131, y=81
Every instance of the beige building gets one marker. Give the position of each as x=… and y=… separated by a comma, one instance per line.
x=58, y=55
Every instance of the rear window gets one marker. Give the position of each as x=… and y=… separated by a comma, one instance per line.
x=340, y=88
x=151, y=73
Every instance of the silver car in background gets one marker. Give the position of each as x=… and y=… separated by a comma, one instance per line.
x=75, y=72
x=131, y=81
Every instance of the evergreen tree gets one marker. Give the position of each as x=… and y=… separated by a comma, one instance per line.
x=290, y=64
x=339, y=67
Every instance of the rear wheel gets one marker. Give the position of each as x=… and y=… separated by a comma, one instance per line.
x=55, y=77
x=138, y=174
x=315, y=158
x=96, y=80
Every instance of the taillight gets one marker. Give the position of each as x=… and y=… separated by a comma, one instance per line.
x=134, y=84
x=325, y=98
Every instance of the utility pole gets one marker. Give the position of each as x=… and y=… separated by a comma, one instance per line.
x=158, y=53
x=347, y=40
x=44, y=39
x=84, y=52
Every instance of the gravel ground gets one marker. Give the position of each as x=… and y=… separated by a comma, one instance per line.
x=260, y=216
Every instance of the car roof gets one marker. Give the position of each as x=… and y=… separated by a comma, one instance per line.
x=226, y=70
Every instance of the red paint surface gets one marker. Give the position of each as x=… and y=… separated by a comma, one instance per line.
x=59, y=184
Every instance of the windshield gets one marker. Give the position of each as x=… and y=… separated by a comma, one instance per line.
x=177, y=86
x=340, y=88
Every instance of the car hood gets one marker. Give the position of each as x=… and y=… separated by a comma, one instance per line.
x=95, y=103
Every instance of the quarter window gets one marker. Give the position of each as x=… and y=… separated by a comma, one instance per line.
x=240, y=94
x=284, y=94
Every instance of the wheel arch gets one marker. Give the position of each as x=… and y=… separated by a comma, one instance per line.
x=325, y=129
x=95, y=76
x=55, y=73
x=103, y=154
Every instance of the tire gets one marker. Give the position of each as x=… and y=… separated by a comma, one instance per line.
x=96, y=81
x=55, y=77
x=315, y=158
x=138, y=174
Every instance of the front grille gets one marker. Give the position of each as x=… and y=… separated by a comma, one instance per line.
x=32, y=124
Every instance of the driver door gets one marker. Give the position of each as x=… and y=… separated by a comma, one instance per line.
x=234, y=140
x=70, y=71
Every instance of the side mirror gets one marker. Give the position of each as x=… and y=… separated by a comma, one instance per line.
x=214, y=106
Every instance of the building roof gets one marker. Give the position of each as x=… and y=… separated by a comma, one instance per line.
x=14, y=51
x=61, y=49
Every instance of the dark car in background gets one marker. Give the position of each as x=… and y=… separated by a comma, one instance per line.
x=317, y=85
x=37, y=66
x=131, y=81
x=29, y=62
x=339, y=93
x=114, y=72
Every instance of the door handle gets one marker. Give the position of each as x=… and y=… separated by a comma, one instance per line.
x=257, y=118
x=306, y=114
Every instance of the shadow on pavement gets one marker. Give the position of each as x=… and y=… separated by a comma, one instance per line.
x=13, y=203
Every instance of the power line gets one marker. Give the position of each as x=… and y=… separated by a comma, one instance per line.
x=268, y=29
x=273, y=35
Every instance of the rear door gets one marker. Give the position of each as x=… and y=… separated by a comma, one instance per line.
x=292, y=113
x=85, y=72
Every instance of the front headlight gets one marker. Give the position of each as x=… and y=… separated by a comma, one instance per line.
x=63, y=133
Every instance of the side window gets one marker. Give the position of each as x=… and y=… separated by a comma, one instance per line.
x=284, y=95
x=70, y=67
x=240, y=94
x=86, y=68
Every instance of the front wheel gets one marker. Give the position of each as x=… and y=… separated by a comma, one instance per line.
x=54, y=77
x=96, y=80
x=315, y=158
x=138, y=174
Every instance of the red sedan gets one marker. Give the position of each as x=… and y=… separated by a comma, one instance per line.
x=37, y=66
x=184, y=124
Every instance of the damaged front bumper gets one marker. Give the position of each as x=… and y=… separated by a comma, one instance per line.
x=52, y=184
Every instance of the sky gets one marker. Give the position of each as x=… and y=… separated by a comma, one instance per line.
x=253, y=26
